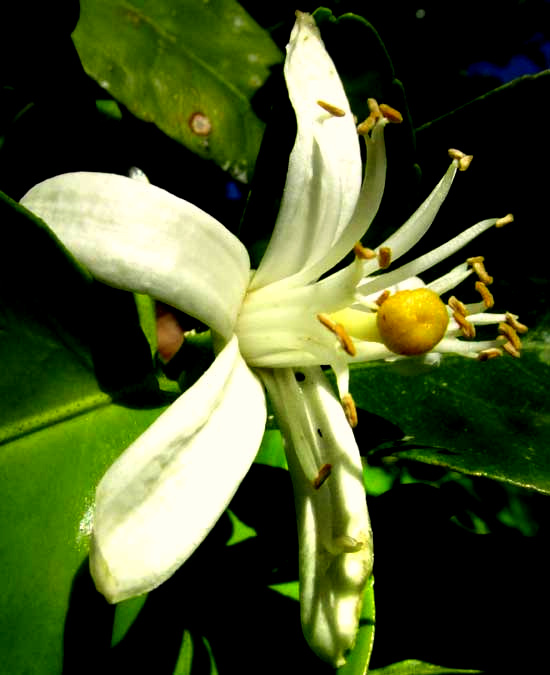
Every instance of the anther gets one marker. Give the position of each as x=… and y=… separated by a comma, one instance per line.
x=345, y=340
x=375, y=114
x=391, y=114
x=456, y=306
x=366, y=126
x=363, y=252
x=509, y=332
x=501, y=222
x=491, y=353
x=323, y=473
x=467, y=329
x=382, y=298
x=486, y=294
x=340, y=332
x=347, y=544
x=334, y=110
x=463, y=160
x=374, y=108
x=510, y=349
x=479, y=268
x=516, y=325
x=350, y=411
x=384, y=257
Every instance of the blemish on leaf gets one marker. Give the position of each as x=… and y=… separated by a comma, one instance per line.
x=200, y=124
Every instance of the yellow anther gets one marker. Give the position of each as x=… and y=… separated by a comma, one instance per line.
x=322, y=475
x=366, y=126
x=340, y=332
x=486, y=294
x=467, y=329
x=375, y=114
x=516, y=325
x=490, y=353
x=350, y=411
x=384, y=257
x=363, y=252
x=412, y=322
x=345, y=340
x=501, y=222
x=391, y=114
x=374, y=108
x=463, y=160
x=509, y=332
x=479, y=268
x=456, y=306
x=510, y=349
x=382, y=297
x=332, y=109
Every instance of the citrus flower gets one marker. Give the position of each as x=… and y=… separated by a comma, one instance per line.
x=273, y=329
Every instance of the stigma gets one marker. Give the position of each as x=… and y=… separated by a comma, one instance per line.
x=412, y=322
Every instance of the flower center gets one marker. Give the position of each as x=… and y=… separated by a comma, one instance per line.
x=412, y=322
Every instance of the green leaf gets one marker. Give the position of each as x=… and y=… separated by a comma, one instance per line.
x=47, y=482
x=485, y=419
x=413, y=667
x=189, y=67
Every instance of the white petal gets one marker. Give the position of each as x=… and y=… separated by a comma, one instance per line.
x=333, y=524
x=160, y=499
x=138, y=237
x=324, y=173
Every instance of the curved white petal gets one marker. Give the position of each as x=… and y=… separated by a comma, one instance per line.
x=333, y=525
x=324, y=172
x=138, y=237
x=158, y=501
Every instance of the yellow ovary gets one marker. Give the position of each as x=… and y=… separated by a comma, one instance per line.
x=412, y=322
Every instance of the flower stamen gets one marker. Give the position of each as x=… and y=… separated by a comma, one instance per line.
x=466, y=328
x=516, y=325
x=490, y=353
x=456, y=306
x=347, y=544
x=340, y=332
x=362, y=252
x=350, y=411
x=510, y=349
x=384, y=257
x=462, y=158
x=321, y=477
x=381, y=299
x=486, y=294
x=333, y=110
x=391, y=114
x=509, y=332
x=479, y=268
x=501, y=222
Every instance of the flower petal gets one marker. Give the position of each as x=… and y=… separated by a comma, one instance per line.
x=333, y=525
x=158, y=501
x=324, y=172
x=135, y=236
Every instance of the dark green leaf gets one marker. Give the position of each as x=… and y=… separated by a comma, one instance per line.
x=486, y=419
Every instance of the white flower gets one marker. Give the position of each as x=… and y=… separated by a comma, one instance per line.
x=273, y=328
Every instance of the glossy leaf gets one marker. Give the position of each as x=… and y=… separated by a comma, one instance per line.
x=413, y=667
x=486, y=419
x=189, y=67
